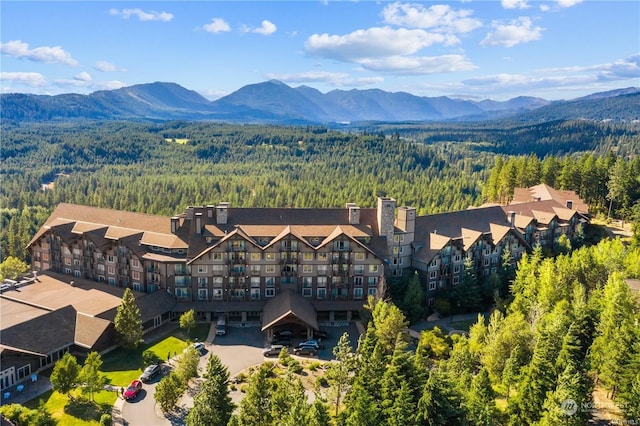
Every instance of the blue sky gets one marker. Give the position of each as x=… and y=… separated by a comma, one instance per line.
x=558, y=49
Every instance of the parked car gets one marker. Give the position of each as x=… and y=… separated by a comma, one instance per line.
x=305, y=350
x=313, y=343
x=150, y=372
x=199, y=346
x=274, y=350
x=284, y=333
x=132, y=390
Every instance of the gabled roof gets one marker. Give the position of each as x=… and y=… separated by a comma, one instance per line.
x=71, y=220
x=286, y=306
x=544, y=192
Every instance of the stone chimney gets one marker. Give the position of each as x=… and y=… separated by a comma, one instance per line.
x=210, y=209
x=386, y=218
x=175, y=224
x=511, y=218
x=354, y=214
x=407, y=219
x=198, y=223
x=570, y=204
x=222, y=213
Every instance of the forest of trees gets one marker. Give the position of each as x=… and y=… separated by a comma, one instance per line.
x=146, y=167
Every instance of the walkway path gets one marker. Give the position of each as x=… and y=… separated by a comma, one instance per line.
x=443, y=323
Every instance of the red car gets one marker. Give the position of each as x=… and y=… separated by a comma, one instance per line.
x=132, y=390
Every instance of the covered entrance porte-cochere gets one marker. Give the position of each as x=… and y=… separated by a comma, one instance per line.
x=289, y=310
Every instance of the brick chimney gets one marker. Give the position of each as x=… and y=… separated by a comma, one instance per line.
x=354, y=214
x=222, y=213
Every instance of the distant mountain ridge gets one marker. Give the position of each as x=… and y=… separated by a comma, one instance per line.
x=275, y=102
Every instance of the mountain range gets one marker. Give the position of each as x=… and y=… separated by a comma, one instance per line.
x=276, y=102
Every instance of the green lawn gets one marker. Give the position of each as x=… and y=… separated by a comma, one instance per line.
x=121, y=367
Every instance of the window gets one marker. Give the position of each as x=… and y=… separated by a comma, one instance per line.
x=255, y=282
x=112, y=281
x=256, y=256
x=307, y=292
x=255, y=294
x=322, y=257
x=372, y=291
x=135, y=263
x=456, y=269
x=270, y=292
x=487, y=261
x=307, y=256
x=357, y=293
x=135, y=275
x=322, y=281
x=307, y=282
x=395, y=250
x=67, y=261
x=270, y=269
x=217, y=281
x=360, y=256
x=237, y=245
x=202, y=269
x=373, y=281
x=111, y=258
x=137, y=287
x=358, y=281
x=322, y=293
x=341, y=245
x=456, y=280
x=270, y=256
x=111, y=270
x=217, y=294
x=457, y=258
x=202, y=281
x=255, y=269
x=203, y=294
x=270, y=281
x=76, y=262
x=433, y=274
x=307, y=269
x=358, y=269
x=217, y=269
x=434, y=262
x=373, y=268
x=322, y=269
x=216, y=256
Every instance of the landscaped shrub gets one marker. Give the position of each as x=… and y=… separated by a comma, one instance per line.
x=106, y=420
x=314, y=365
x=294, y=366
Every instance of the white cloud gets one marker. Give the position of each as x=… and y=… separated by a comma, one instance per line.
x=336, y=79
x=266, y=28
x=88, y=85
x=377, y=42
x=217, y=25
x=32, y=79
x=419, y=65
x=439, y=18
x=142, y=15
x=515, y=32
x=514, y=4
x=83, y=76
x=567, y=3
x=49, y=55
x=104, y=66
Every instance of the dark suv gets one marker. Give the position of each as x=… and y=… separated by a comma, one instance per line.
x=274, y=350
x=150, y=372
x=305, y=350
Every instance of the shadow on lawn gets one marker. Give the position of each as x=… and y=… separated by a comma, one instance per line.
x=86, y=410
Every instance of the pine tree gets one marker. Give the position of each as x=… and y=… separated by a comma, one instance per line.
x=440, y=404
x=91, y=379
x=340, y=373
x=128, y=321
x=212, y=405
x=255, y=407
x=480, y=401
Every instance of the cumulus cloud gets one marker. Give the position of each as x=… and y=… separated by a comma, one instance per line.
x=377, y=42
x=419, y=64
x=217, y=25
x=514, y=4
x=567, y=3
x=512, y=33
x=79, y=82
x=49, y=55
x=336, y=79
x=104, y=66
x=32, y=79
x=266, y=28
x=439, y=18
x=142, y=15
x=83, y=76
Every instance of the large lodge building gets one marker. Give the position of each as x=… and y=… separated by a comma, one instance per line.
x=267, y=266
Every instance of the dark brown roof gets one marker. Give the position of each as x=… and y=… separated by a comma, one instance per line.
x=541, y=211
x=544, y=192
x=288, y=304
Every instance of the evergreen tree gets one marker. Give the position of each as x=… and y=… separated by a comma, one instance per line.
x=480, y=401
x=12, y=268
x=128, y=321
x=255, y=407
x=340, y=373
x=440, y=404
x=212, y=406
x=574, y=387
x=168, y=391
x=318, y=414
x=413, y=302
